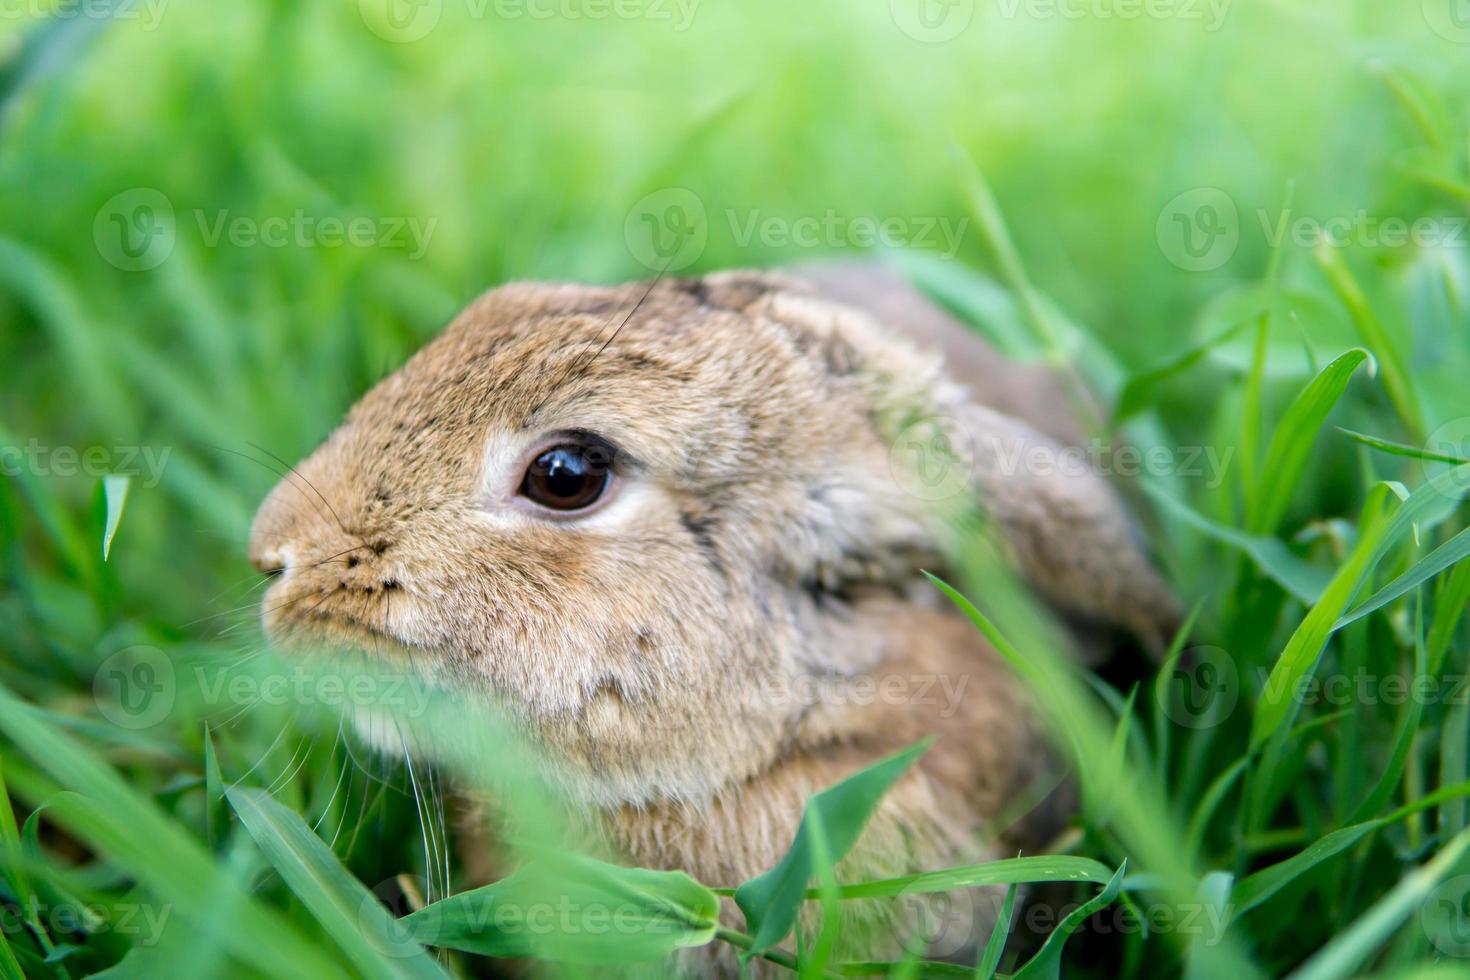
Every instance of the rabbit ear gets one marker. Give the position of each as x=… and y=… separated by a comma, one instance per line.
x=1066, y=527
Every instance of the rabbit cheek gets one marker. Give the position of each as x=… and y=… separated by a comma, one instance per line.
x=606, y=716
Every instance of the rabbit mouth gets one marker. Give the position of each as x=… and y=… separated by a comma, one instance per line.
x=338, y=618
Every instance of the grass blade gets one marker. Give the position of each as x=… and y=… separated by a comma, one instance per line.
x=1450, y=603
x=657, y=912
x=1286, y=456
x=996, y=944
x=1343, y=956
x=1300, y=579
x=1263, y=884
x=1250, y=413
x=1440, y=559
x=1404, y=731
x=1277, y=706
x=1401, y=449
x=351, y=914
x=9, y=967
x=1009, y=871
x=1401, y=392
x=114, y=496
x=116, y=820
x=216, y=808
x=1047, y=964
x=814, y=962
x=1453, y=770
x=1138, y=391
x=770, y=902
x=11, y=869
x=1210, y=801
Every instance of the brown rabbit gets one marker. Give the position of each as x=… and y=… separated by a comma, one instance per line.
x=645, y=520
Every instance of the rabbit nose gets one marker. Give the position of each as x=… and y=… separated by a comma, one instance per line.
x=269, y=559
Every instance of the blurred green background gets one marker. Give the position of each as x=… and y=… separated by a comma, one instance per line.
x=520, y=144
x=220, y=222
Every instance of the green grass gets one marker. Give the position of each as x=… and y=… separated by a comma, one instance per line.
x=1324, y=834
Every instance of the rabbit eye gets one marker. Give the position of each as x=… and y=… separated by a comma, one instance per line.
x=569, y=476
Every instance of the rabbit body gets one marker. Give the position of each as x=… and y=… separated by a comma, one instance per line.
x=740, y=620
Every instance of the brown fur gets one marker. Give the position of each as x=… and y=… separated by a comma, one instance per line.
x=759, y=540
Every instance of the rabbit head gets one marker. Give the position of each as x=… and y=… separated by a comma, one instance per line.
x=632, y=516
